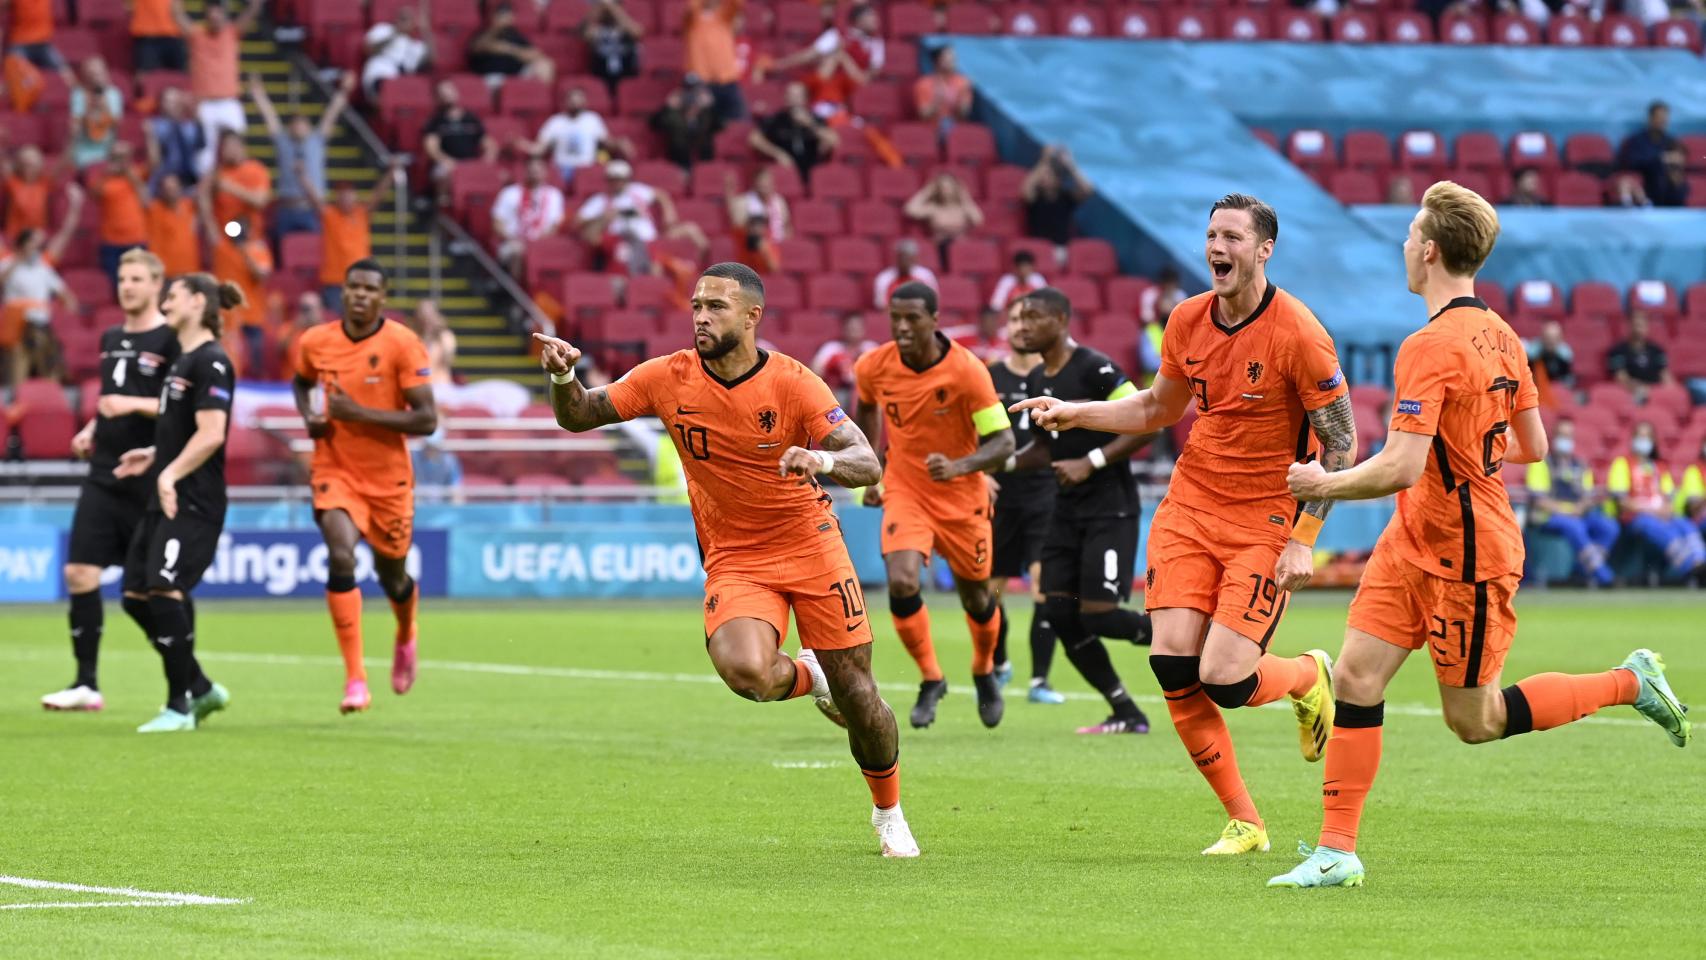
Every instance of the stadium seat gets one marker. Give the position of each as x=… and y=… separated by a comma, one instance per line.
x=1571, y=30
x=1125, y=295
x=1084, y=292
x=892, y=184
x=1185, y=23
x=45, y=423
x=1137, y=22
x=1245, y=23
x=549, y=260
x=909, y=21
x=973, y=20
x=1297, y=26
x=1575, y=189
x=1623, y=31
x=1462, y=29
x=90, y=287
x=1355, y=186
x=1080, y=20
x=1493, y=295
x=1311, y=149
x=1421, y=150
x=970, y=143
x=1515, y=30
x=819, y=218
x=835, y=292
x=1407, y=26
x=916, y=142
x=1367, y=150
x=666, y=176
x=1355, y=26
x=1677, y=33
x=798, y=21
x=1654, y=296
x=881, y=102
x=1590, y=152
x=874, y=218
x=1533, y=148
x=1696, y=303
x=1694, y=151
x=1025, y=20
x=1540, y=299
x=1479, y=150
x=1089, y=257
x=586, y=294
x=859, y=255
x=800, y=255
x=1596, y=299
x=978, y=256
x=960, y=295
x=1267, y=137
x=527, y=100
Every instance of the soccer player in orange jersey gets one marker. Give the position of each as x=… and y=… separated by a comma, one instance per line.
x=1229, y=543
x=363, y=386
x=1445, y=572
x=946, y=426
x=742, y=419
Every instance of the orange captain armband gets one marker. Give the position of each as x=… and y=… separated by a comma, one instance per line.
x=1306, y=529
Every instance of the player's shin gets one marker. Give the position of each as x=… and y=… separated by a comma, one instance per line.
x=1118, y=624
x=1203, y=731
x=344, y=602
x=985, y=628
x=912, y=623
x=176, y=644
x=1353, y=758
x=405, y=603
x=1042, y=643
x=87, y=620
x=138, y=611
x=1548, y=700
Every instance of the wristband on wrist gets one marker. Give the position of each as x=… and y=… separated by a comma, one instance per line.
x=1011, y=465
x=1097, y=458
x=826, y=461
x=1306, y=529
x=561, y=379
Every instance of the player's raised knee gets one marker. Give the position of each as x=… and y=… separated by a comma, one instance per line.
x=749, y=680
x=82, y=577
x=1474, y=728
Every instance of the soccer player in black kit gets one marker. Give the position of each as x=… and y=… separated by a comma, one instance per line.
x=1024, y=501
x=1091, y=545
x=134, y=358
x=186, y=506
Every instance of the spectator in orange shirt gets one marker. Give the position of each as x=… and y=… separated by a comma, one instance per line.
x=29, y=33
x=346, y=231
x=96, y=108
x=240, y=255
x=123, y=223
x=944, y=95
x=239, y=187
x=174, y=228
x=708, y=36
x=215, y=51
x=156, y=39
x=29, y=283
x=26, y=187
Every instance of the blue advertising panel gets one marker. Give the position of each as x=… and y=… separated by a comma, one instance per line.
x=292, y=563
x=31, y=556
x=580, y=561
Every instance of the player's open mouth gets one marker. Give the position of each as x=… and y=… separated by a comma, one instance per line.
x=1222, y=268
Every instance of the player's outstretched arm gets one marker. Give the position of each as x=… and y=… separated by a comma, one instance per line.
x=1396, y=467
x=1145, y=411
x=846, y=458
x=1335, y=424
x=577, y=408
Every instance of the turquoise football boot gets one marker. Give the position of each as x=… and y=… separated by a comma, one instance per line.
x=1325, y=867
x=1656, y=702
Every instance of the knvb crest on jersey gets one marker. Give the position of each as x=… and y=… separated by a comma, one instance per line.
x=941, y=394
x=1253, y=370
x=767, y=420
x=373, y=361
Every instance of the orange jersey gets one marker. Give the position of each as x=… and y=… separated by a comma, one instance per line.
x=1254, y=383
x=731, y=435
x=374, y=371
x=943, y=409
x=1461, y=380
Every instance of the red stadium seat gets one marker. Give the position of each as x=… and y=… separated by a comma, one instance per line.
x=1494, y=296
x=1004, y=182
x=1125, y=295
x=819, y=218
x=1355, y=26
x=1267, y=137
x=1654, y=296
x=1462, y=29
x=1091, y=257
x=978, y=256
x=597, y=95
x=1137, y=23
x=893, y=184
x=1085, y=294
x=1533, y=148
x=873, y=218
x=1575, y=189
x=959, y=294
x=1539, y=298
x=834, y=292
x=1185, y=23
x=1596, y=299
x=1478, y=150
x=46, y=424
x=1694, y=151
x=1297, y=26
x=1421, y=150
x=1367, y=150
x=1696, y=301
x=586, y=293
x=651, y=293
x=709, y=179
x=973, y=20
x=1245, y=23
x=909, y=20
x=88, y=286
x=1080, y=20
x=550, y=260
x=882, y=102
x=664, y=176
x=1589, y=151
x=1620, y=30
x=1407, y=26
x=801, y=255
x=1355, y=186
x=916, y=142
x=1677, y=33
x=798, y=21
x=971, y=143
x=526, y=99
x=1025, y=20
x=783, y=293
x=1571, y=30
x=1311, y=149
x=1514, y=30
x=405, y=104
x=856, y=255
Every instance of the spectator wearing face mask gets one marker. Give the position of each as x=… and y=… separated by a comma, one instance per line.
x=1563, y=502
x=1643, y=488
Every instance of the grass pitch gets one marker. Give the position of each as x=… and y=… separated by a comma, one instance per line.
x=571, y=781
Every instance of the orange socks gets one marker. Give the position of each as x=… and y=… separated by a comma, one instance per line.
x=912, y=622
x=346, y=622
x=1353, y=758
x=984, y=636
x=802, y=681
x=1548, y=700
x=1278, y=677
x=405, y=613
x=885, y=785
x=1203, y=731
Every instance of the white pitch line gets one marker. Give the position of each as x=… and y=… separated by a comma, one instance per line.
x=139, y=898
x=640, y=676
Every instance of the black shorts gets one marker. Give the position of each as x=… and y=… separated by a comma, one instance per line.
x=103, y=525
x=1090, y=558
x=170, y=554
x=1019, y=533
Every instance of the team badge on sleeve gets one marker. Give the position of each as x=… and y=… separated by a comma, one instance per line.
x=835, y=416
x=1411, y=407
x=1331, y=382
x=424, y=372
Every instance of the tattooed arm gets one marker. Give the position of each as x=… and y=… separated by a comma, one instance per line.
x=1336, y=426
x=851, y=461
x=577, y=408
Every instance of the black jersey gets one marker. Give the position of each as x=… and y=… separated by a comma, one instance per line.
x=132, y=365
x=199, y=380
x=1021, y=487
x=1112, y=490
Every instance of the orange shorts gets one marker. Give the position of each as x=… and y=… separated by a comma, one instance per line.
x=963, y=539
x=823, y=592
x=387, y=523
x=1467, y=627
x=1226, y=570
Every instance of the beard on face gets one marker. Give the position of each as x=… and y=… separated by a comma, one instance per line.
x=720, y=347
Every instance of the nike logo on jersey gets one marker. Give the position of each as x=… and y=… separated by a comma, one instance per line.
x=219, y=366
x=1189, y=362
x=684, y=412
x=125, y=344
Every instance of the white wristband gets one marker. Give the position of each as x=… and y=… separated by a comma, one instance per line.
x=1011, y=465
x=1097, y=458
x=825, y=460
x=561, y=379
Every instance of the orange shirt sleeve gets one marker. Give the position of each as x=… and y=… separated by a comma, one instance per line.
x=410, y=357
x=816, y=405
x=1422, y=373
x=1315, y=372
x=635, y=395
x=1172, y=349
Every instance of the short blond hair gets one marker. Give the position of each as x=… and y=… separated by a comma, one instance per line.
x=1462, y=223
x=149, y=261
